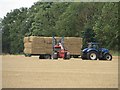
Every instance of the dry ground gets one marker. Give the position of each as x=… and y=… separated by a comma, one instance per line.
x=30, y=72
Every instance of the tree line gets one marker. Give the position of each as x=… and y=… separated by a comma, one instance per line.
x=91, y=21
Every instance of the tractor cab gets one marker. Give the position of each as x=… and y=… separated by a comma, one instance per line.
x=93, y=45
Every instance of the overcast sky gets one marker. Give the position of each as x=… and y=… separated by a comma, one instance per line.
x=8, y=5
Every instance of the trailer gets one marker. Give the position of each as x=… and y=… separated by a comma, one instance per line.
x=42, y=46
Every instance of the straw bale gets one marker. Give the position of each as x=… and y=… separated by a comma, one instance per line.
x=33, y=45
x=28, y=45
x=48, y=40
x=26, y=39
x=32, y=38
x=27, y=51
x=34, y=50
x=36, y=39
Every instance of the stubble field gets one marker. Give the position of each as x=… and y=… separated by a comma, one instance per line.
x=19, y=71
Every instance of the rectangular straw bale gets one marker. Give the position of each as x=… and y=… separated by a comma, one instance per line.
x=28, y=45
x=33, y=45
x=38, y=51
x=27, y=50
x=48, y=51
x=74, y=40
x=26, y=39
x=37, y=40
x=34, y=50
x=32, y=38
x=48, y=40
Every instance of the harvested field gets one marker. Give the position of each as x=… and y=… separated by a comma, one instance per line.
x=31, y=72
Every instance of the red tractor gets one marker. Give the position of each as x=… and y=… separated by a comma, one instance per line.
x=59, y=50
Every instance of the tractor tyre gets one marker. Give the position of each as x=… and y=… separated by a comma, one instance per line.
x=108, y=57
x=67, y=56
x=92, y=55
x=55, y=56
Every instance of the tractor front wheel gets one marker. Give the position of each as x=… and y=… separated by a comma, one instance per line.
x=108, y=57
x=55, y=56
x=92, y=55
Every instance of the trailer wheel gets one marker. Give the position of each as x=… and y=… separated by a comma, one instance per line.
x=75, y=56
x=27, y=55
x=108, y=57
x=41, y=57
x=47, y=56
x=92, y=55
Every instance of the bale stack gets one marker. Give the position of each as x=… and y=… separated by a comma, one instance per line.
x=34, y=45
x=73, y=45
x=43, y=45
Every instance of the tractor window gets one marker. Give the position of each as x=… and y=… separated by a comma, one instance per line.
x=57, y=48
x=95, y=46
x=89, y=46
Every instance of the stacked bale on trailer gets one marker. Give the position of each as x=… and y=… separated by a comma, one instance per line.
x=73, y=45
x=43, y=45
x=34, y=45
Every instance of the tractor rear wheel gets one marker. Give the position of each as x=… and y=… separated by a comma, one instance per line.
x=108, y=57
x=92, y=55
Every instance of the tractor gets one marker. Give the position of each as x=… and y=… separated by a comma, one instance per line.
x=59, y=50
x=94, y=52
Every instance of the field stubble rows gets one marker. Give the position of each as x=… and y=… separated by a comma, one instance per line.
x=31, y=72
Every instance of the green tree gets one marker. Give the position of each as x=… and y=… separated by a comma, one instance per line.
x=106, y=27
x=88, y=35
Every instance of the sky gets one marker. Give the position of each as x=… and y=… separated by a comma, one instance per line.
x=8, y=5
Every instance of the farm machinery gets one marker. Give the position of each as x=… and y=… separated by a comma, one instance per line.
x=59, y=50
x=94, y=52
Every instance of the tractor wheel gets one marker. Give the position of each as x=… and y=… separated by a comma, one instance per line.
x=92, y=55
x=67, y=56
x=55, y=56
x=108, y=57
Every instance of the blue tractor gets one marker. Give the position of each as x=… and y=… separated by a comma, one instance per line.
x=94, y=52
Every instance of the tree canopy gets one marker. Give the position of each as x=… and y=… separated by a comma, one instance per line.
x=61, y=19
